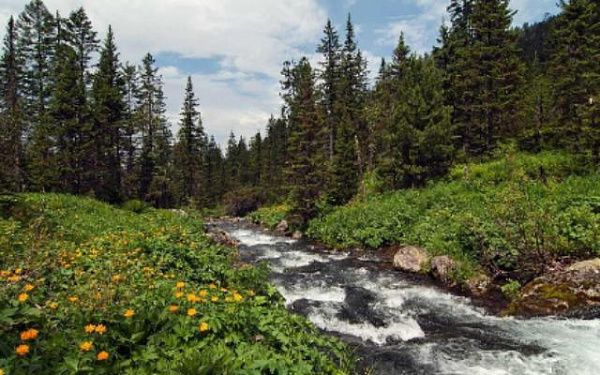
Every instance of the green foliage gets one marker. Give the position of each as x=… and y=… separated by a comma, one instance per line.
x=501, y=215
x=511, y=289
x=270, y=216
x=150, y=289
x=243, y=201
x=135, y=205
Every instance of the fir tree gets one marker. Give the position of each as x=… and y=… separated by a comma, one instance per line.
x=130, y=131
x=108, y=109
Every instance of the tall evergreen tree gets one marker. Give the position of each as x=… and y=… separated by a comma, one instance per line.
x=214, y=173
x=189, y=152
x=108, y=109
x=11, y=121
x=130, y=131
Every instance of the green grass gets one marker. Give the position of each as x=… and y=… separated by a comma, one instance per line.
x=68, y=262
x=503, y=216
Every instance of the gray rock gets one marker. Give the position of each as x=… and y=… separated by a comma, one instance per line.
x=282, y=227
x=441, y=267
x=410, y=259
x=297, y=235
x=479, y=285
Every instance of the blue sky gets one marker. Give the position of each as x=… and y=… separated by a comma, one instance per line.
x=233, y=49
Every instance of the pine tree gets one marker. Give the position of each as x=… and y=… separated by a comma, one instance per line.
x=256, y=160
x=575, y=72
x=108, y=109
x=306, y=149
x=36, y=43
x=189, y=155
x=129, y=132
x=11, y=122
x=214, y=173
x=329, y=77
x=83, y=39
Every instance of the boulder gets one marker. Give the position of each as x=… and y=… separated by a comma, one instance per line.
x=411, y=259
x=441, y=267
x=479, y=285
x=223, y=238
x=282, y=227
x=574, y=290
x=297, y=235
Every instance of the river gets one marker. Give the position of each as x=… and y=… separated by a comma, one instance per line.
x=401, y=325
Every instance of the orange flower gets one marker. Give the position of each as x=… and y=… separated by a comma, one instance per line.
x=192, y=298
x=173, y=308
x=22, y=350
x=30, y=334
x=90, y=328
x=73, y=299
x=101, y=329
x=178, y=295
x=192, y=312
x=203, y=327
x=180, y=285
x=28, y=287
x=23, y=297
x=86, y=346
x=129, y=314
x=102, y=356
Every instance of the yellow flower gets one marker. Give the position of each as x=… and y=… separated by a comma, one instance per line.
x=178, y=295
x=192, y=298
x=23, y=297
x=1, y=372
x=53, y=305
x=18, y=271
x=90, y=328
x=101, y=329
x=203, y=293
x=238, y=297
x=102, y=356
x=224, y=290
x=14, y=278
x=180, y=285
x=203, y=327
x=192, y=312
x=86, y=346
x=212, y=286
x=73, y=299
x=22, y=350
x=28, y=287
x=214, y=298
x=129, y=314
x=173, y=308
x=251, y=293
x=30, y=334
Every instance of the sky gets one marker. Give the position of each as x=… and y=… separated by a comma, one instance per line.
x=234, y=49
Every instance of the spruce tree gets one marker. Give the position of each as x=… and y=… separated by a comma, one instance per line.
x=12, y=176
x=189, y=153
x=214, y=173
x=108, y=109
x=129, y=132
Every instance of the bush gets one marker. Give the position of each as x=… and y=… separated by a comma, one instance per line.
x=243, y=201
x=136, y=206
x=87, y=288
x=500, y=216
x=270, y=216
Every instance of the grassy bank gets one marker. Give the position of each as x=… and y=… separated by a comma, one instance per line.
x=510, y=218
x=89, y=288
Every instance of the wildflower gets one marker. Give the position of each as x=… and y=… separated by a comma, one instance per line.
x=22, y=350
x=53, y=305
x=192, y=312
x=214, y=298
x=102, y=356
x=129, y=313
x=203, y=327
x=86, y=346
x=73, y=299
x=178, y=295
x=30, y=334
x=180, y=285
x=90, y=328
x=238, y=297
x=173, y=308
x=28, y=287
x=251, y=293
x=203, y=293
x=116, y=278
x=1, y=372
x=192, y=298
x=212, y=286
x=23, y=297
x=101, y=329
x=14, y=278
x=224, y=290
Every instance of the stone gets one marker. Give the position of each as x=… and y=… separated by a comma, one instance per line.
x=479, y=285
x=411, y=259
x=441, y=267
x=297, y=235
x=573, y=290
x=223, y=238
x=282, y=227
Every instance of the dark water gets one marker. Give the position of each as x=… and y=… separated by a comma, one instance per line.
x=402, y=326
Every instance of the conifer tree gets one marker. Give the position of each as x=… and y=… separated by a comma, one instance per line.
x=214, y=173
x=108, y=109
x=130, y=132
x=189, y=153
x=306, y=149
x=11, y=122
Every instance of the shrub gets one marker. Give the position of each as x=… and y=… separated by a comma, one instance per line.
x=270, y=216
x=136, y=206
